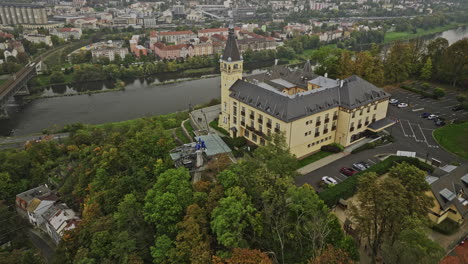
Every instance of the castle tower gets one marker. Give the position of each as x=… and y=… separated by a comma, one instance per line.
x=231, y=70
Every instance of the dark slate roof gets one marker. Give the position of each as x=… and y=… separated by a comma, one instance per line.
x=354, y=93
x=381, y=123
x=298, y=77
x=451, y=184
x=231, y=50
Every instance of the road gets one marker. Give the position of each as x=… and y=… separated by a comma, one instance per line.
x=43, y=243
x=18, y=142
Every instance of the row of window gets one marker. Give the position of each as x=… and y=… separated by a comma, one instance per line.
x=252, y=115
x=318, y=121
x=254, y=137
x=368, y=109
x=325, y=130
x=359, y=124
x=318, y=142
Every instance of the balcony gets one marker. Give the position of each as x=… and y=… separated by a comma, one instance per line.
x=373, y=120
x=317, y=134
x=333, y=128
x=366, y=123
x=251, y=128
x=351, y=129
x=335, y=117
x=277, y=130
x=318, y=123
x=243, y=113
x=325, y=131
x=327, y=120
x=268, y=125
x=359, y=126
x=243, y=123
x=252, y=116
x=260, y=121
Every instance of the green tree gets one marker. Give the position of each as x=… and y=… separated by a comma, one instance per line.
x=234, y=218
x=438, y=92
x=412, y=246
x=165, y=203
x=57, y=77
x=426, y=71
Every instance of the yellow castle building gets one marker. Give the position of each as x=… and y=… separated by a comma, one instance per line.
x=310, y=110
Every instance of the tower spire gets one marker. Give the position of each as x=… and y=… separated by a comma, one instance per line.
x=231, y=51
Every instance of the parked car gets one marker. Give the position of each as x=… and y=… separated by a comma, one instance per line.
x=329, y=180
x=393, y=101
x=430, y=117
x=440, y=122
x=348, y=171
x=402, y=105
x=358, y=166
x=425, y=115
x=457, y=108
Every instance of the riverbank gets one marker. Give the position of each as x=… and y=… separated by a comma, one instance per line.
x=43, y=81
x=394, y=36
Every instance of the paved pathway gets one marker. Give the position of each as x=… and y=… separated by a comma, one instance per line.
x=322, y=162
x=43, y=243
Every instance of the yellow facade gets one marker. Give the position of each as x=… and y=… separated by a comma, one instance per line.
x=304, y=136
x=437, y=214
x=230, y=73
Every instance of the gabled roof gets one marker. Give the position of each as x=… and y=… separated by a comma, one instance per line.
x=449, y=185
x=355, y=92
x=231, y=51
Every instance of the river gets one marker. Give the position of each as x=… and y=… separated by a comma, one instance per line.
x=141, y=97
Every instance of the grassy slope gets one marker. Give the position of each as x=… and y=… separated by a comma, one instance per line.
x=453, y=138
x=392, y=36
x=312, y=158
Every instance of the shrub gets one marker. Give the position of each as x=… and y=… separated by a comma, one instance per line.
x=214, y=124
x=438, y=93
x=348, y=187
x=237, y=142
x=334, y=147
x=446, y=227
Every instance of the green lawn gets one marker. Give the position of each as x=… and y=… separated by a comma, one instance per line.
x=214, y=124
x=181, y=135
x=313, y=158
x=392, y=36
x=44, y=80
x=453, y=138
x=189, y=128
x=2, y=81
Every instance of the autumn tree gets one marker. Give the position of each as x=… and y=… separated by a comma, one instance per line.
x=379, y=209
x=331, y=255
x=244, y=256
x=193, y=242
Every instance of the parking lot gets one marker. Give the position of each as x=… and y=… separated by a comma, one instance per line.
x=411, y=133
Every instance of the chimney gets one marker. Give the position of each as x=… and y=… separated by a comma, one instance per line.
x=325, y=75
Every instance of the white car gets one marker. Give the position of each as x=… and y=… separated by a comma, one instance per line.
x=430, y=117
x=329, y=180
x=401, y=105
x=393, y=101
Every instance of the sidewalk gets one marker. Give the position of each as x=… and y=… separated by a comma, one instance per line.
x=322, y=162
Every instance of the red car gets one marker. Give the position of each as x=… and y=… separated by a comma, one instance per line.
x=347, y=171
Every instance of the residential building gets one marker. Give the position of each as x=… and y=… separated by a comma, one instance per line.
x=136, y=49
x=24, y=199
x=66, y=33
x=209, y=32
x=176, y=37
x=17, y=14
x=88, y=22
x=109, y=52
x=36, y=208
x=449, y=190
x=58, y=219
x=255, y=42
x=311, y=111
x=38, y=38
